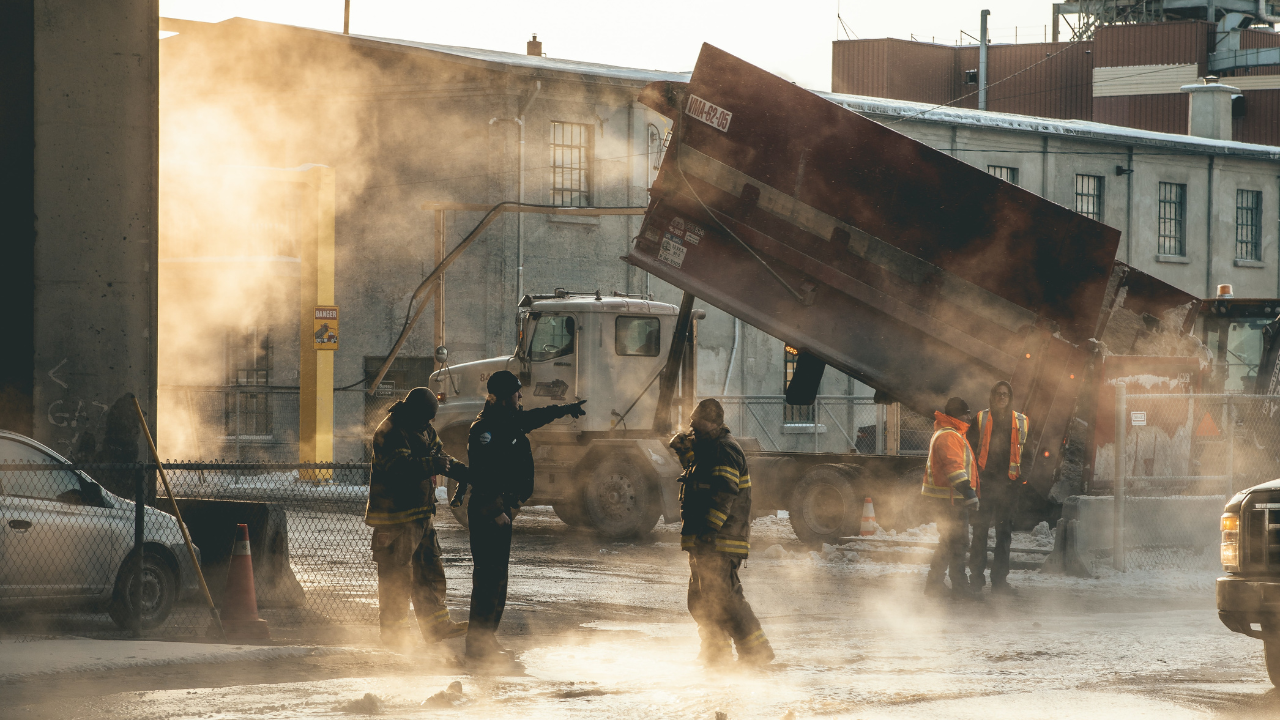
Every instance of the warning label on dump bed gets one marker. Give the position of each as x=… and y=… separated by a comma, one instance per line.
x=713, y=115
x=672, y=252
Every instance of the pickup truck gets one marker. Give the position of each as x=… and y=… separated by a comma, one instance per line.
x=1249, y=594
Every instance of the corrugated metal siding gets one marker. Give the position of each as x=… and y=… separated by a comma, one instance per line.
x=1261, y=123
x=891, y=68
x=858, y=67
x=1060, y=87
x=1170, y=43
x=1161, y=113
x=1259, y=39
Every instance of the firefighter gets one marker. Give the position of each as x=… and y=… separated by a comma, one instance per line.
x=501, y=479
x=951, y=485
x=998, y=437
x=715, y=514
x=407, y=457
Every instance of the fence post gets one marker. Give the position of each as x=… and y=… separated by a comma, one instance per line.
x=139, y=531
x=1118, y=489
x=1230, y=420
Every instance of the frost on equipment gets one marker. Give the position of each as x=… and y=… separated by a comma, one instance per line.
x=895, y=263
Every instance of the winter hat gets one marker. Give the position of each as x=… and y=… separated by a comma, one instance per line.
x=1006, y=385
x=420, y=403
x=956, y=407
x=503, y=384
x=709, y=410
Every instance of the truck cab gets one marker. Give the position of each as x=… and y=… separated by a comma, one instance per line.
x=1249, y=594
x=605, y=469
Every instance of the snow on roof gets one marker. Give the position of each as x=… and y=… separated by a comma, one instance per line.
x=535, y=63
x=1083, y=129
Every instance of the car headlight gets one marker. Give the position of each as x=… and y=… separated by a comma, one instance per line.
x=1231, y=542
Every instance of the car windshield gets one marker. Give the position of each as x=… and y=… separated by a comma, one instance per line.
x=46, y=480
x=552, y=338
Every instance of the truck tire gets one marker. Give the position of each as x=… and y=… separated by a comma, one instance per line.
x=571, y=511
x=1271, y=648
x=825, y=504
x=619, y=500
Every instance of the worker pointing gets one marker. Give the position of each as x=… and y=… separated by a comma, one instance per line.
x=998, y=437
x=951, y=485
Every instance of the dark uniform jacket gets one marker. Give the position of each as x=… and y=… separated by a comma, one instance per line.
x=715, y=498
x=500, y=458
x=401, y=480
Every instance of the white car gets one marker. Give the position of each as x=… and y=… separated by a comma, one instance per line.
x=67, y=544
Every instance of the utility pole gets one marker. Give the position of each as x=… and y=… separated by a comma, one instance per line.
x=346, y=18
x=982, y=61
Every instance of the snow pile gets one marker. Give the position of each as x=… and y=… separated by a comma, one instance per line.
x=370, y=704
x=840, y=555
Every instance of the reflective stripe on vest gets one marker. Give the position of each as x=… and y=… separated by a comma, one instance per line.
x=1017, y=438
x=929, y=487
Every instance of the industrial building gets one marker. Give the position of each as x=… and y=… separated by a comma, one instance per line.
x=401, y=124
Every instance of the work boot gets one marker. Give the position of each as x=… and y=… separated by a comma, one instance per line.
x=963, y=592
x=933, y=586
x=977, y=581
x=447, y=631
x=487, y=656
x=1003, y=588
x=717, y=649
x=754, y=650
x=396, y=641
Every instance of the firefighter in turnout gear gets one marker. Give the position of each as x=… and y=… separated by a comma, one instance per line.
x=501, y=479
x=715, y=514
x=951, y=485
x=407, y=457
x=998, y=437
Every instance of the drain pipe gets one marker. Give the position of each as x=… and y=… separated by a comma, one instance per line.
x=520, y=194
x=982, y=60
x=733, y=354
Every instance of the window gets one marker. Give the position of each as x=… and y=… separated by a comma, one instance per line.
x=46, y=483
x=797, y=414
x=552, y=338
x=1089, y=196
x=637, y=336
x=570, y=164
x=248, y=364
x=1249, y=224
x=1007, y=174
x=1172, y=238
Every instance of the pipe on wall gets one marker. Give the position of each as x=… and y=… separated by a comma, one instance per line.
x=982, y=61
x=520, y=193
x=733, y=353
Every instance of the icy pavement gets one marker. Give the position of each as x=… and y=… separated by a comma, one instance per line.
x=603, y=631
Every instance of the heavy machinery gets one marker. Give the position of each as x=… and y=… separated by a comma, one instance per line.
x=910, y=271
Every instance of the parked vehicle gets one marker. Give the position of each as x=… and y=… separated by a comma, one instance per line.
x=66, y=543
x=1249, y=594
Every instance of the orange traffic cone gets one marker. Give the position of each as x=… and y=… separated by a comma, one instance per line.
x=868, y=518
x=240, y=618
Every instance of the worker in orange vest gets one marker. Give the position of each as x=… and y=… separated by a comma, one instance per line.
x=951, y=486
x=998, y=436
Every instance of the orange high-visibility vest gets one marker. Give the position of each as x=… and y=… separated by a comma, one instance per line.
x=1018, y=438
x=950, y=459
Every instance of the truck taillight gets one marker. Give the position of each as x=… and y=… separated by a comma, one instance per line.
x=1231, y=542
x=440, y=396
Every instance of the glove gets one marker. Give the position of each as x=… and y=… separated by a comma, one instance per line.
x=574, y=410
x=971, y=504
x=682, y=443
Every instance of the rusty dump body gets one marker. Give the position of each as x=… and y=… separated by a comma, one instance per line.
x=897, y=264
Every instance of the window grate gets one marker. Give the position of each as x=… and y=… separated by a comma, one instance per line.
x=1248, y=224
x=1089, y=196
x=570, y=164
x=1172, y=238
x=1007, y=174
x=248, y=364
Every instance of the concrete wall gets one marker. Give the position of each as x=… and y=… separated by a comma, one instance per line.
x=93, y=187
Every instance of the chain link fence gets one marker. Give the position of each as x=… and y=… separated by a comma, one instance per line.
x=1181, y=458
x=67, y=544
x=834, y=423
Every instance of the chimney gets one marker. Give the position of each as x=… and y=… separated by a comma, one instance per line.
x=1210, y=113
x=534, y=48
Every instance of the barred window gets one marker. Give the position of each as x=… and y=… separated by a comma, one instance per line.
x=248, y=364
x=1249, y=224
x=1089, y=196
x=1007, y=174
x=800, y=414
x=570, y=164
x=1172, y=238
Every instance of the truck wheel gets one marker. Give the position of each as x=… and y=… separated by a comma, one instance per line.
x=570, y=512
x=159, y=591
x=459, y=513
x=1272, y=650
x=824, y=505
x=620, y=501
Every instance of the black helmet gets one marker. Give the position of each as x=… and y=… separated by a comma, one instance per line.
x=503, y=384
x=420, y=404
x=956, y=407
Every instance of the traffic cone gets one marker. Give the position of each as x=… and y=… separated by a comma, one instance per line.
x=240, y=619
x=868, y=518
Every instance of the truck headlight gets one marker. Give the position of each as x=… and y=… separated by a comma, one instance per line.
x=1231, y=542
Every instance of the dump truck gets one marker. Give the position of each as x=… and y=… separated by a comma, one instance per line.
x=865, y=251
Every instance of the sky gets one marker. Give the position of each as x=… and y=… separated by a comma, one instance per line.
x=791, y=38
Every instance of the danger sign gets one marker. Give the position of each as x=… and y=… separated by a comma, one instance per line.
x=326, y=328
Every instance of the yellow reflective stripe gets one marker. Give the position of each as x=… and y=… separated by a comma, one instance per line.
x=688, y=542
x=935, y=491
x=958, y=476
x=744, y=482
x=717, y=518
x=735, y=547
x=753, y=639
x=727, y=472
